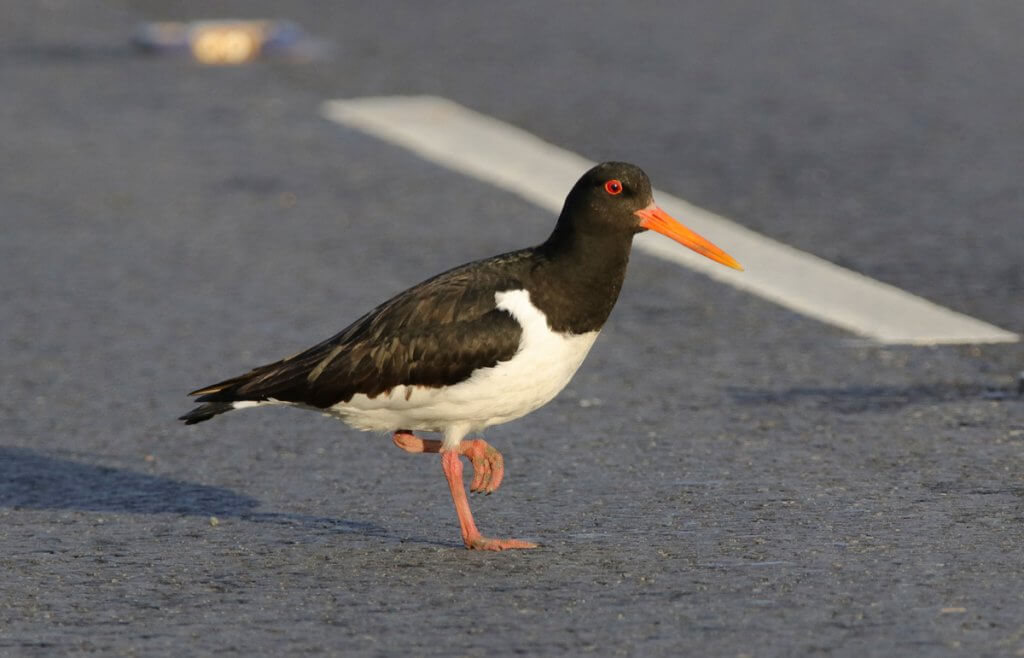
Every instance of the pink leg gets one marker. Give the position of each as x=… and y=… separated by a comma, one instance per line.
x=488, y=464
x=488, y=470
x=470, y=535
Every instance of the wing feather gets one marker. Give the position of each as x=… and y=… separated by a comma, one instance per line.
x=434, y=334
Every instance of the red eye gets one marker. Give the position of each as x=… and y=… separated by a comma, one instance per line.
x=614, y=186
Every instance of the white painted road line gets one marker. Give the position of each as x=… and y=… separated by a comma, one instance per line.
x=483, y=147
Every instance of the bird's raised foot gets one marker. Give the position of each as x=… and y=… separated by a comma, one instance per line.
x=481, y=543
x=488, y=466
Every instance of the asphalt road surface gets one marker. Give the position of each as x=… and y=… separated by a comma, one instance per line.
x=722, y=477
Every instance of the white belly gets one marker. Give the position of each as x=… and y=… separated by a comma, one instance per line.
x=544, y=364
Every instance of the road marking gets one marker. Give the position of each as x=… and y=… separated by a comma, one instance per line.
x=485, y=148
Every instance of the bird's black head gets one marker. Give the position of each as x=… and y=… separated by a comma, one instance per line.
x=609, y=204
x=606, y=198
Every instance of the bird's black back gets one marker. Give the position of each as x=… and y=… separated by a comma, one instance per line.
x=433, y=334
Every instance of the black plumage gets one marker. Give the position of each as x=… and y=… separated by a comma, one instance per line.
x=433, y=334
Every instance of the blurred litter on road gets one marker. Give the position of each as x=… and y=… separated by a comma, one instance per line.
x=229, y=42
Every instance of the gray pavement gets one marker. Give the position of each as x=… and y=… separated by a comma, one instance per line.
x=723, y=477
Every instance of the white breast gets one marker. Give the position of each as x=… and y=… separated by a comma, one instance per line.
x=544, y=364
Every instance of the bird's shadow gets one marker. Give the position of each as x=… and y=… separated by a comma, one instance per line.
x=31, y=480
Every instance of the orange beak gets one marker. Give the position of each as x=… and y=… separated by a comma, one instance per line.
x=656, y=219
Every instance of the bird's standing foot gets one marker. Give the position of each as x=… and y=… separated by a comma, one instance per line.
x=488, y=471
x=471, y=537
x=488, y=464
x=482, y=543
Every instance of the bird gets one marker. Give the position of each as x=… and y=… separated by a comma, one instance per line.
x=475, y=346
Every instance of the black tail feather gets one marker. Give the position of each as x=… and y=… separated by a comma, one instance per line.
x=206, y=412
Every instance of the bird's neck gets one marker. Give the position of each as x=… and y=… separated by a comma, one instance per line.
x=582, y=275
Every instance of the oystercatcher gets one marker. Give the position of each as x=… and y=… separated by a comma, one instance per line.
x=478, y=345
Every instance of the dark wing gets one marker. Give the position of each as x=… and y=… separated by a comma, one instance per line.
x=433, y=334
